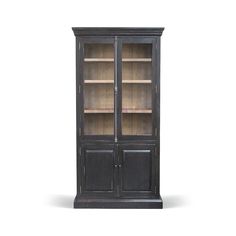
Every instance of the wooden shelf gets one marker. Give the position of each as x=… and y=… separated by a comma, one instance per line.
x=136, y=111
x=135, y=81
x=143, y=81
x=98, y=111
x=98, y=59
x=137, y=59
x=104, y=81
x=112, y=59
x=90, y=111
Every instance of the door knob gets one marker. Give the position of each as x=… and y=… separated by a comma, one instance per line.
x=117, y=165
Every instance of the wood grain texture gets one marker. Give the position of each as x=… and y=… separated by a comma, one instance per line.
x=112, y=81
x=136, y=124
x=136, y=59
x=98, y=71
x=136, y=96
x=135, y=81
x=98, y=59
x=99, y=50
x=98, y=124
x=107, y=110
x=112, y=60
x=98, y=96
x=137, y=51
x=136, y=71
x=101, y=81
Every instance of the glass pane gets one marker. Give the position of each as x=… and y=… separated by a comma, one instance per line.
x=137, y=89
x=98, y=89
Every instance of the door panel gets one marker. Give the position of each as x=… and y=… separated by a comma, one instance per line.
x=137, y=172
x=136, y=88
x=97, y=65
x=98, y=171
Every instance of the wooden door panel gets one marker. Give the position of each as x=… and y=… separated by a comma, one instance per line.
x=98, y=175
x=99, y=170
x=137, y=170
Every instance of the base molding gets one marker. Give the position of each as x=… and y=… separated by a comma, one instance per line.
x=153, y=203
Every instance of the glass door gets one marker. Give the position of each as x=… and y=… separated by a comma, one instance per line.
x=98, y=88
x=137, y=87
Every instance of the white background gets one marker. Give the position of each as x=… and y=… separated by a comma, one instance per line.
x=37, y=117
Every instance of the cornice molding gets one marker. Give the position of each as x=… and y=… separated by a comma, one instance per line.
x=108, y=31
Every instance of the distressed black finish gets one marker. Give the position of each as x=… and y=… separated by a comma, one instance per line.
x=118, y=171
x=126, y=31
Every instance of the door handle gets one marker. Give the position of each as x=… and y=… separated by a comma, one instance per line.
x=117, y=166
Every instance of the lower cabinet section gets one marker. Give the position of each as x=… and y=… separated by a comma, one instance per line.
x=118, y=175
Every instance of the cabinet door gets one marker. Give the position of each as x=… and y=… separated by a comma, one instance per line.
x=98, y=170
x=96, y=88
x=137, y=88
x=137, y=170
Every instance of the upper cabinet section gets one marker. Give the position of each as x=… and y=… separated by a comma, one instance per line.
x=118, y=83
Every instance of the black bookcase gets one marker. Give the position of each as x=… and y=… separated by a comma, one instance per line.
x=118, y=117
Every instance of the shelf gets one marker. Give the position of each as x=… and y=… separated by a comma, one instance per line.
x=91, y=111
x=136, y=111
x=135, y=81
x=143, y=81
x=112, y=59
x=104, y=81
x=98, y=59
x=137, y=59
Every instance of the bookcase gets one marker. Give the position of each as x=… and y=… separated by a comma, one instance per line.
x=118, y=117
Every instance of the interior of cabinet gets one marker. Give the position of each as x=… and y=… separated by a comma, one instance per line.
x=137, y=96
x=98, y=96
x=98, y=124
x=136, y=124
x=98, y=50
x=98, y=74
x=136, y=71
x=98, y=71
x=98, y=89
x=136, y=50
